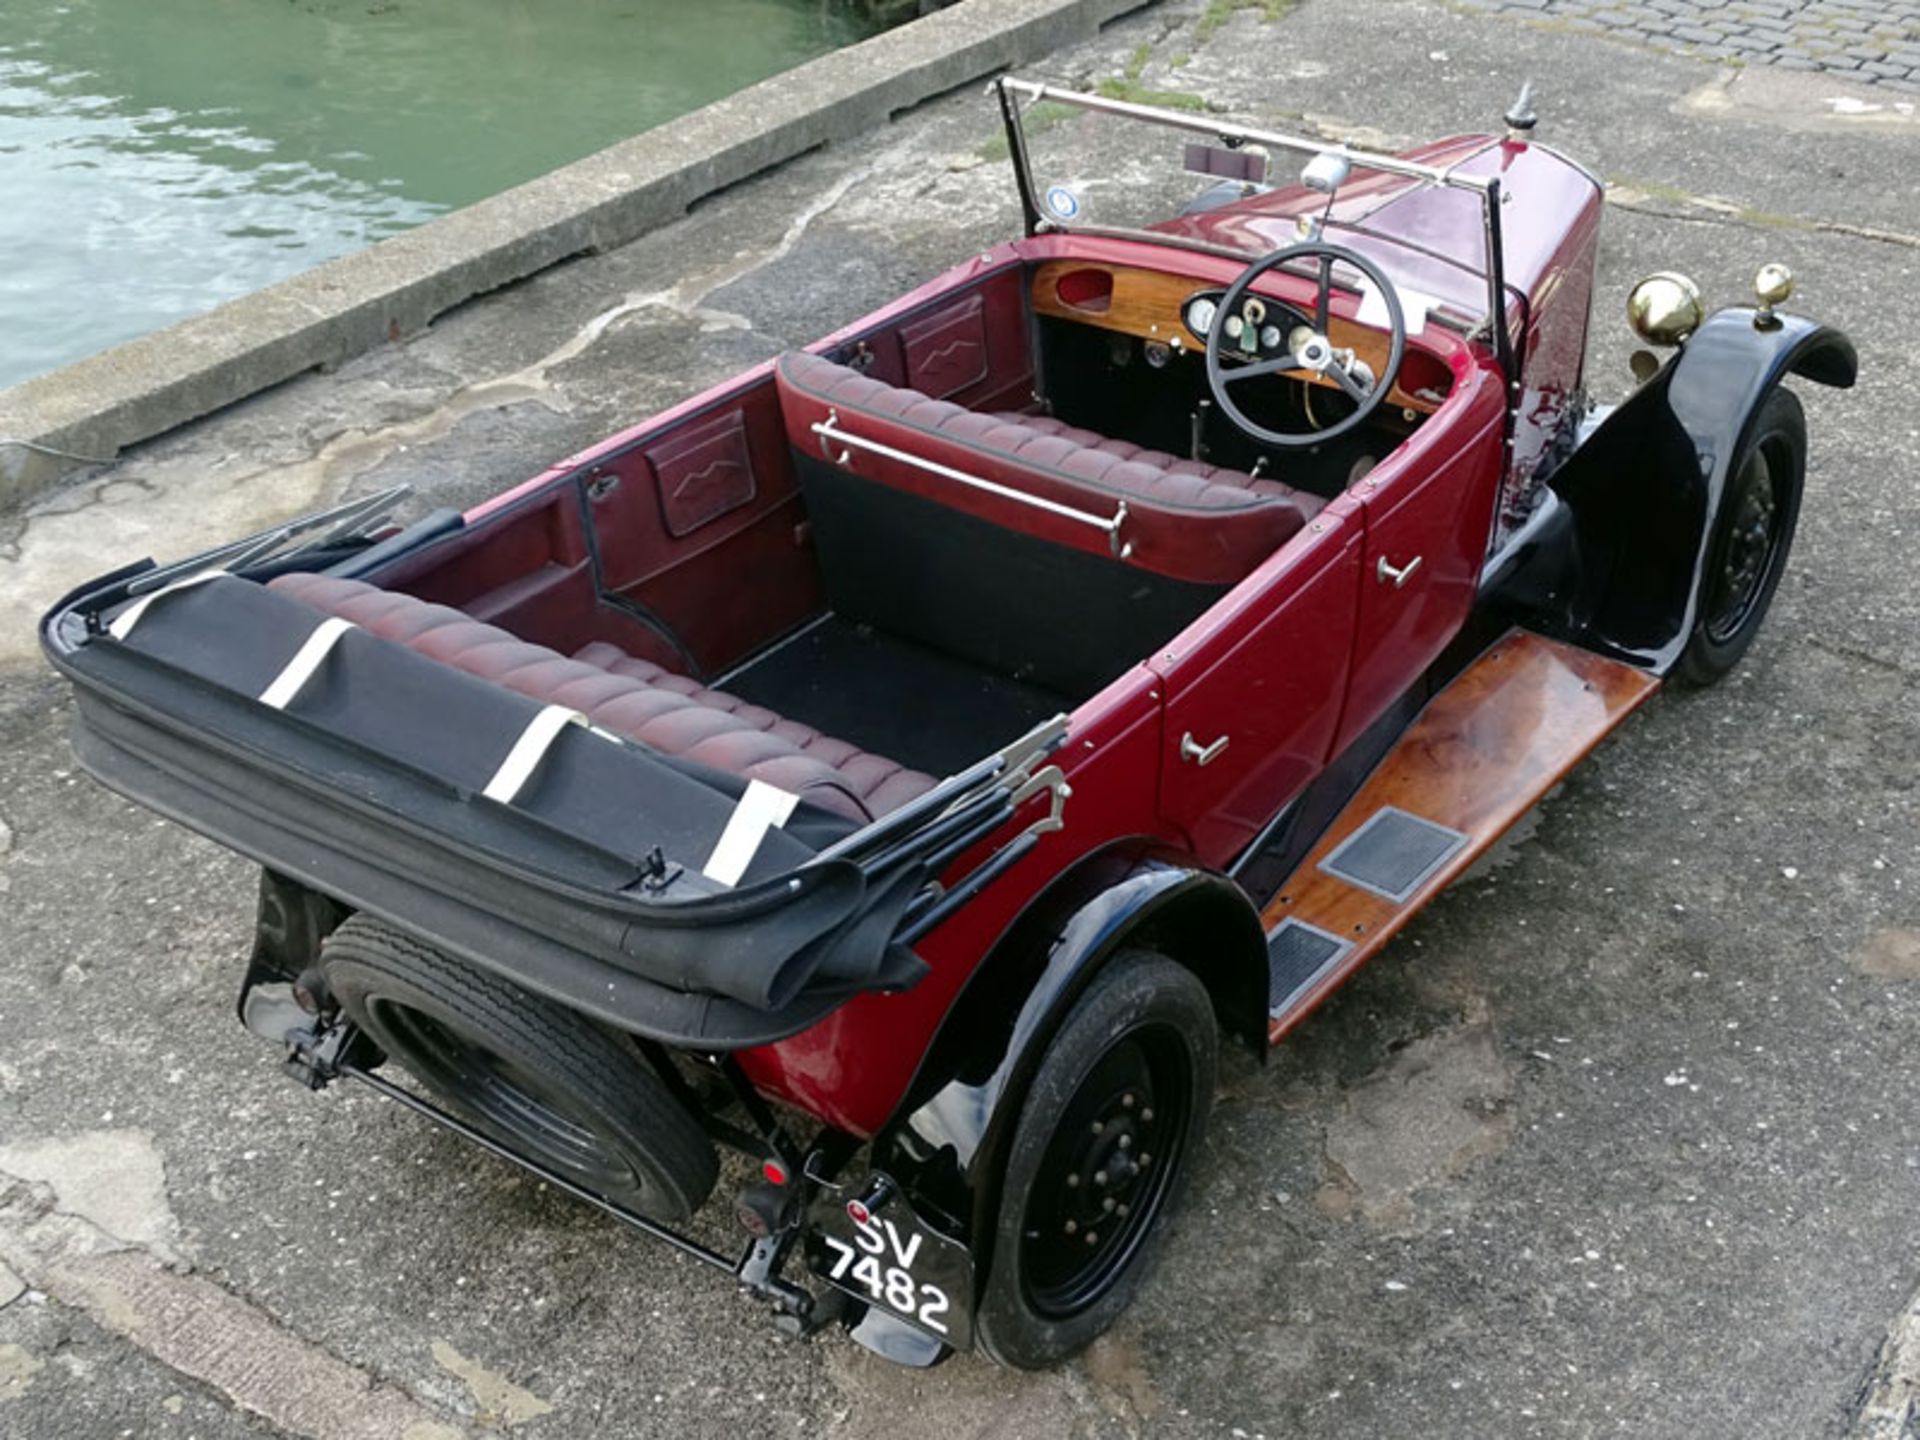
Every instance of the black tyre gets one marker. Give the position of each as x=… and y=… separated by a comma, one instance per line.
x=1752, y=534
x=541, y=1079
x=1098, y=1159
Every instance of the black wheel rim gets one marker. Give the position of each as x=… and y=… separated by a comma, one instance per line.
x=1107, y=1171
x=537, y=1118
x=1749, y=548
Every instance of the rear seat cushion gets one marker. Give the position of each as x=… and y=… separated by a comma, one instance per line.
x=1186, y=519
x=632, y=697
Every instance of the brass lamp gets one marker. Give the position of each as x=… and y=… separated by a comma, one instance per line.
x=1665, y=308
x=1772, y=285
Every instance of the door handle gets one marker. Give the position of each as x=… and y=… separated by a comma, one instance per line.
x=1192, y=749
x=1386, y=574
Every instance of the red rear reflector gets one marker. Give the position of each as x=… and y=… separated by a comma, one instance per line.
x=858, y=1212
x=774, y=1171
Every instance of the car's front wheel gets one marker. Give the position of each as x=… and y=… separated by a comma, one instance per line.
x=1098, y=1158
x=1752, y=533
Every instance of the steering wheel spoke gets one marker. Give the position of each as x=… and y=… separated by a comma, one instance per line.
x=1311, y=356
x=1349, y=382
x=1284, y=365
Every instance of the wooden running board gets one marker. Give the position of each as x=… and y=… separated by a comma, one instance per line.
x=1479, y=756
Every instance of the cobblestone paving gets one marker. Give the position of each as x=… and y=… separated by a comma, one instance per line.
x=1875, y=41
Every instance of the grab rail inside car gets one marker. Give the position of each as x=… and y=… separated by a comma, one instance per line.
x=829, y=430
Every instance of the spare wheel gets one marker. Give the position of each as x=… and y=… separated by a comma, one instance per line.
x=546, y=1082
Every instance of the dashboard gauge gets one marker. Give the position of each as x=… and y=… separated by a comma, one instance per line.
x=1200, y=316
x=1234, y=326
x=1270, y=338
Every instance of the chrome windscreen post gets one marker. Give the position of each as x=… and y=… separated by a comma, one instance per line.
x=1003, y=90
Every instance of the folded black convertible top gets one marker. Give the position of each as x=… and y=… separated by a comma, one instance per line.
x=366, y=774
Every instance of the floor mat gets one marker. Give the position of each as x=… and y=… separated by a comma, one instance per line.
x=911, y=704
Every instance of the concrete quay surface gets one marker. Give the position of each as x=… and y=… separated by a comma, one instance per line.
x=1619, y=1139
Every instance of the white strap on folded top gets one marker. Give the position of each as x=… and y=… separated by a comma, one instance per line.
x=293, y=678
x=124, y=622
x=764, y=807
x=529, y=750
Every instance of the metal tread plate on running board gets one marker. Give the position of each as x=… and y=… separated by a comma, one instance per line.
x=1392, y=853
x=1505, y=731
x=1297, y=955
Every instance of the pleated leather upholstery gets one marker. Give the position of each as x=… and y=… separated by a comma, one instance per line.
x=630, y=696
x=1185, y=518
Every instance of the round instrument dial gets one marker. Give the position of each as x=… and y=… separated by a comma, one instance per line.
x=1201, y=315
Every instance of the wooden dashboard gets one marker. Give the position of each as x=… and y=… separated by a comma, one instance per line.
x=1147, y=304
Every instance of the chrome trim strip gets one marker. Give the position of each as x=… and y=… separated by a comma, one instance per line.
x=1240, y=134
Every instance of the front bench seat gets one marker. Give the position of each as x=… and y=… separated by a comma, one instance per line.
x=630, y=696
x=1185, y=519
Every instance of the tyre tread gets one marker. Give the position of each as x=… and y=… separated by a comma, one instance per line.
x=573, y=1050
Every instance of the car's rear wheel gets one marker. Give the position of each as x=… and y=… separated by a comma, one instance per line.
x=1752, y=534
x=543, y=1080
x=1098, y=1160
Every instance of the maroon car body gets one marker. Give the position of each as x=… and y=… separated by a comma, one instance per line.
x=1435, y=496
x=1459, y=577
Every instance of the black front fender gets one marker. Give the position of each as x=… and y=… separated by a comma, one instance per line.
x=946, y=1145
x=1644, y=486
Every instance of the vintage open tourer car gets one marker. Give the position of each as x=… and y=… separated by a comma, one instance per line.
x=901, y=763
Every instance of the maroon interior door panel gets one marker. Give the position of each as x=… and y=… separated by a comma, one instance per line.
x=972, y=347
x=699, y=524
x=530, y=570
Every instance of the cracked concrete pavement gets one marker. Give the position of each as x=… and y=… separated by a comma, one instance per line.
x=1618, y=1139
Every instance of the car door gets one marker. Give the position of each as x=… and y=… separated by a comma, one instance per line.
x=1252, y=695
x=1428, y=517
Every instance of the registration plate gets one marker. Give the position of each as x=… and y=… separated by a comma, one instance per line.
x=898, y=1264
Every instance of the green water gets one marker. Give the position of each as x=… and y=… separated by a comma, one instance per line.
x=160, y=156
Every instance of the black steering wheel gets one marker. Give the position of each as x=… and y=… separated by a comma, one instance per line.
x=1309, y=351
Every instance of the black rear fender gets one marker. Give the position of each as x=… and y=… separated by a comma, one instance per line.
x=946, y=1143
x=1643, y=488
